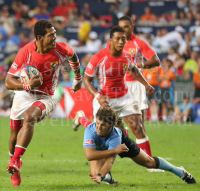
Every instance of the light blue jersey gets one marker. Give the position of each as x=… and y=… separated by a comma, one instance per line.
x=92, y=139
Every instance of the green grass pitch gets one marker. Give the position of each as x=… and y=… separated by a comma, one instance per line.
x=55, y=159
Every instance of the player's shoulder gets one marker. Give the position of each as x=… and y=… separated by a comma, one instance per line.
x=91, y=127
x=62, y=46
x=103, y=52
x=97, y=57
x=116, y=132
x=29, y=47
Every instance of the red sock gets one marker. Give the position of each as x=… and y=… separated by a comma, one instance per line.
x=19, y=151
x=84, y=121
x=144, y=144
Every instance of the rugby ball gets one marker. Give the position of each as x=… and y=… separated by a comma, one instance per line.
x=27, y=72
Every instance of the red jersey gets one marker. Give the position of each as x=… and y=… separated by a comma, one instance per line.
x=110, y=71
x=138, y=48
x=48, y=63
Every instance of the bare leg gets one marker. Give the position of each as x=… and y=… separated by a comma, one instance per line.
x=25, y=134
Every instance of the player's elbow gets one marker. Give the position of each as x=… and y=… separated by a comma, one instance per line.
x=157, y=61
x=7, y=84
x=89, y=157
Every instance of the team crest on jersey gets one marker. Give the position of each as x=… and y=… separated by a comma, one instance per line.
x=132, y=50
x=54, y=65
x=135, y=107
x=125, y=66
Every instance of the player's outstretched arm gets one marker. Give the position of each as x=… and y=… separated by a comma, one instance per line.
x=75, y=65
x=93, y=154
x=104, y=170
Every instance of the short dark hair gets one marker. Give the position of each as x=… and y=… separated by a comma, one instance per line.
x=41, y=26
x=126, y=18
x=107, y=115
x=116, y=29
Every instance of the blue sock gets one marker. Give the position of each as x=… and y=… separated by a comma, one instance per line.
x=107, y=178
x=164, y=165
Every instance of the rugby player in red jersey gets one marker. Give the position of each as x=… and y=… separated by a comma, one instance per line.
x=110, y=65
x=35, y=100
x=138, y=49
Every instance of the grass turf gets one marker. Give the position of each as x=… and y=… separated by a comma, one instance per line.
x=55, y=159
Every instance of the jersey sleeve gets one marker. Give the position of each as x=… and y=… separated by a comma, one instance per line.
x=147, y=51
x=67, y=50
x=18, y=62
x=91, y=68
x=89, y=138
x=114, y=142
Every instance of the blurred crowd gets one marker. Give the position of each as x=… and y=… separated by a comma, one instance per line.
x=179, y=49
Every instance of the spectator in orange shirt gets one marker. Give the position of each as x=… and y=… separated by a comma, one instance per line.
x=196, y=79
x=167, y=74
x=148, y=15
x=152, y=76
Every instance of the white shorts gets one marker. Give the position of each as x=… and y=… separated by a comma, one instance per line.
x=138, y=92
x=123, y=106
x=23, y=100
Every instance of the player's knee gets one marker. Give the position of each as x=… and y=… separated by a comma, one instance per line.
x=150, y=163
x=139, y=129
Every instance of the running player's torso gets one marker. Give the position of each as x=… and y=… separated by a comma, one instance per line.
x=137, y=48
x=48, y=63
x=110, y=71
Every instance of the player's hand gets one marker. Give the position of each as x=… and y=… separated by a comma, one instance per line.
x=140, y=65
x=103, y=100
x=150, y=90
x=76, y=85
x=95, y=178
x=121, y=148
x=36, y=81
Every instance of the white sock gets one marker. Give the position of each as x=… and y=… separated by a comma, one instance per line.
x=154, y=117
x=164, y=117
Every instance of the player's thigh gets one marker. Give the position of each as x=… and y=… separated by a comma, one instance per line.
x=144, y=159
x=47, y=104
x=96, y=165
x=32, y=114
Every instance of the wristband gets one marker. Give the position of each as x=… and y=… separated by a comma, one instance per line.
x=97, y=95
x=26, y=86
x=101, y=175
x=77, y=77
